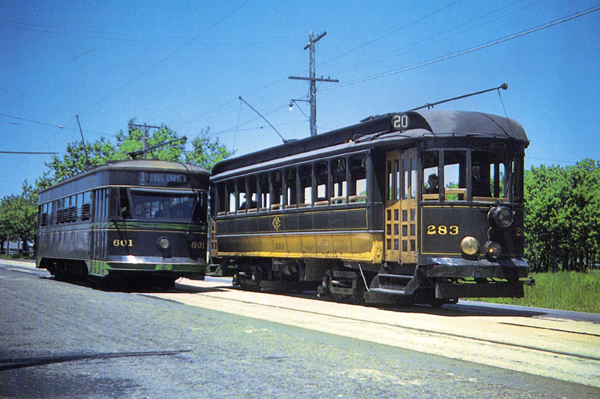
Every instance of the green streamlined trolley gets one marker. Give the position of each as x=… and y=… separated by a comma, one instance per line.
x=136, y=219
x=420, y=205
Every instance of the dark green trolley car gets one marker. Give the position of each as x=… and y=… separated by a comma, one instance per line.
x=129, y=220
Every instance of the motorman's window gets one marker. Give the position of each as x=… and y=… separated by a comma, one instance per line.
x=431, y=173
x=124, y=206
x=488, y=174
x=201, y=208
x=455, y=175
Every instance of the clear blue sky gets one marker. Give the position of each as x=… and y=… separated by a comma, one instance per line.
x=184, y=64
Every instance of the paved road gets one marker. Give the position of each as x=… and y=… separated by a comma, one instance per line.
x=65, y=340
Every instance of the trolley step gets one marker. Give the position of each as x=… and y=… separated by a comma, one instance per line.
x=393, y=284
x=388, y=291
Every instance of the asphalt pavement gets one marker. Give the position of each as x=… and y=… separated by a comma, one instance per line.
x=66, y=340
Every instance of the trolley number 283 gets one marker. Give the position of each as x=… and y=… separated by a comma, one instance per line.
x=442, y=230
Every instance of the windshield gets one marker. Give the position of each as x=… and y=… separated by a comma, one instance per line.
x=163, y=205
x=489, y=177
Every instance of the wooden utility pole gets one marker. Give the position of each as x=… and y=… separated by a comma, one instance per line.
x=145, y=137
x=313, y=81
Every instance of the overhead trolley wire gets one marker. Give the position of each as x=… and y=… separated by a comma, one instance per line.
x=471, y=50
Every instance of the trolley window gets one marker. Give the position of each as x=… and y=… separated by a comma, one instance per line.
x=163, y=205
x=431, y=173
x=455, y=175
x=489, y=175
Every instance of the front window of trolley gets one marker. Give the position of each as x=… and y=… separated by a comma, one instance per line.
x=183, y=206
x=462, y=175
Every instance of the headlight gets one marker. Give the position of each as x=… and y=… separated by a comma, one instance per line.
x=163, y=243
x=469, y=246
x=501, y=216
x=492, y=250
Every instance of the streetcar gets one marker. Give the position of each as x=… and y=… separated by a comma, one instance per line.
x=425, y=206
x=127, y=221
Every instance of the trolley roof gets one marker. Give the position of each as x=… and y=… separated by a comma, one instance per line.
x=413, y=125
x=136, y=165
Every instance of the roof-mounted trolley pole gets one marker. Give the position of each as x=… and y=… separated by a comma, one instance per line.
x=312, y=79
x=504, y=86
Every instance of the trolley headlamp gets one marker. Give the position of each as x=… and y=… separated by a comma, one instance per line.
x=469, y=246
x=501, y=216
x=492, y=250
x=163, y=243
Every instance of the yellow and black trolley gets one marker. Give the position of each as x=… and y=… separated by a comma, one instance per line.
x=129, y=220
x=425, y=205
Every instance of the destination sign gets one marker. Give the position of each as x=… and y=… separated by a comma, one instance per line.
x=163, y=179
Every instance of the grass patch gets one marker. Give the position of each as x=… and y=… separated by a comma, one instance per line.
x=17, y=256
x=579, y=292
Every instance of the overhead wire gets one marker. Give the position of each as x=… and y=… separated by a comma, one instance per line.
x=387, y=55
x=396, y=53
x=463, y=52
x=145, y=71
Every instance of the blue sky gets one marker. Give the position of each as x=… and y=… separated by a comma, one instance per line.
x=184, y=64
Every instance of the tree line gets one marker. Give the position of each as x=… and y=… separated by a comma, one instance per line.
x=18, y=213
x=562, y=217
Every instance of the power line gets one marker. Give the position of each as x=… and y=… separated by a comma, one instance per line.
x=51, y=125
x=28, y=153
x=392, y=32
x=137, y=37
x=397, y=53
x=165, y=58
x=471, y=50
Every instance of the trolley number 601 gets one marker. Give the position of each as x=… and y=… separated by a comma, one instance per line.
x=442, y=230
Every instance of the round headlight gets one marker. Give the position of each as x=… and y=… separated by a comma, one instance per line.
x=469, y=246
x=501, y=216
x=492, y=250
x=163, y=243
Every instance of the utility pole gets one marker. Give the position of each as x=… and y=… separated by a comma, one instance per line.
x=313, y=81
x=145, y=136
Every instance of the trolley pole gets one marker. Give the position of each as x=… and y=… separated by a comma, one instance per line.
x=313, y=81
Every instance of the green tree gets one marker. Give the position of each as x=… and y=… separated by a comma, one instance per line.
x=79, y=158
x=133, y=141
x=562, y=216
x=18, y=215
x=207, y=152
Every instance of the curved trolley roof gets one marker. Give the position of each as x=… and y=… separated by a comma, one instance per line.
x=89, y=178
x=413, y=125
